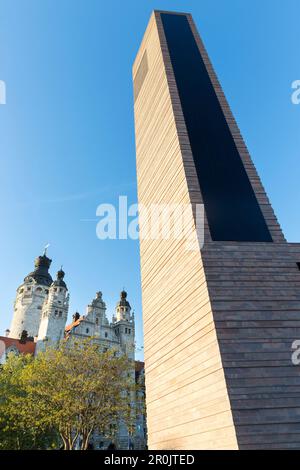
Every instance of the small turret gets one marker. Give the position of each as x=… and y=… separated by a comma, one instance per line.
x=123, y=307
x=54, y=312
x=123, y=323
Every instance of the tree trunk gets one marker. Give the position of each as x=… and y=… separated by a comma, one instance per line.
x=65, y=441
x=85, y=440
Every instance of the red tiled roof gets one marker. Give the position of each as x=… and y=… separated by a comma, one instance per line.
x=74, y=324
x=23, y=348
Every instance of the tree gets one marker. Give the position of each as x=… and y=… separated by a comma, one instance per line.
x=16, y=431
x=71, y=391
x=75, y=389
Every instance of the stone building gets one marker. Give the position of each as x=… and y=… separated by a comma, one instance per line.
x=40, y=316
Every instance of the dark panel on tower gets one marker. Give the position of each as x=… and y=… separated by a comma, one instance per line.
x=231, y=206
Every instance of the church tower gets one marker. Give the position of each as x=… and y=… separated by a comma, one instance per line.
x=123, y=323
x=54, y=313
x=30, y=298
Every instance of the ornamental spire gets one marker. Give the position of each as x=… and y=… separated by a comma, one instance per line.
x=45, y=249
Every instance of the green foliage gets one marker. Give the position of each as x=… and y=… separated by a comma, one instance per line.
x=16, y=429
x=70, y=391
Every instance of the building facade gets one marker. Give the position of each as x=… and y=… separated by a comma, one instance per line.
x=219, y=321
x=40, y=320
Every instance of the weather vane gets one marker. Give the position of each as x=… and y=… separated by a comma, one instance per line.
x=46, y=248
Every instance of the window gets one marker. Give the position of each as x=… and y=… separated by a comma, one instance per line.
x=56, y=312
x=125, y=330
x=298, y=264
x=106, y=335
x=87, y=330
x=60, y=313
x=97, y=321
x=39, y=307
x=225, y=194
x=129, y=331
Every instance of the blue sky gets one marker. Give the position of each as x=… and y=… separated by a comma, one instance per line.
x=67, y=135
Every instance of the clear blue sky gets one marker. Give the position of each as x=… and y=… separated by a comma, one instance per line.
x=67, y=136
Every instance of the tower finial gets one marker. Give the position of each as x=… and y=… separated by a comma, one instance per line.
x=46, y=248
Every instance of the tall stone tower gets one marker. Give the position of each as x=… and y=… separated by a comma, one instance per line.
x=54, y=313
x=30, y=298
x=219, y=322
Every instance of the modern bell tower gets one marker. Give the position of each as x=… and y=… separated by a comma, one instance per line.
x=219, y=321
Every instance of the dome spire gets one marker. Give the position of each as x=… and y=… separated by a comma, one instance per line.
x=41, y=273
x=59, y=282
x=45, y=249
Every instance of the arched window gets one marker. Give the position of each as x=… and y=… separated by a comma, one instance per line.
x=12, y=350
